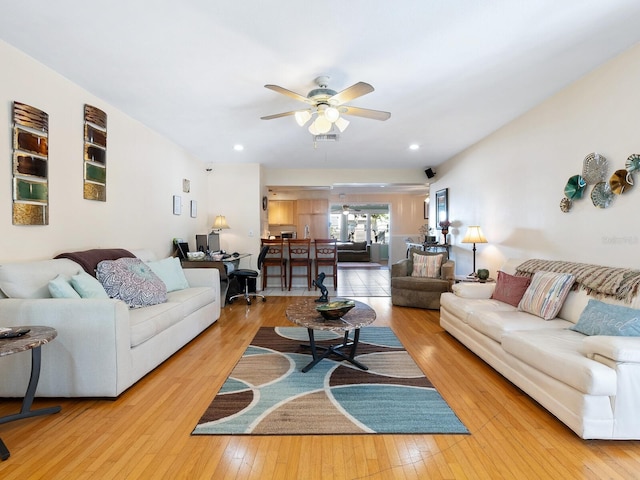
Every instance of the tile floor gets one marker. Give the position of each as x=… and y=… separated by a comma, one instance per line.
x=352, y=282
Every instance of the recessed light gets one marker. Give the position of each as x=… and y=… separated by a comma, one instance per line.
x=238, y=148
x=414, y=146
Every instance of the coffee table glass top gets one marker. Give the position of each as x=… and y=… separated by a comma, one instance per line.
x=305, y=314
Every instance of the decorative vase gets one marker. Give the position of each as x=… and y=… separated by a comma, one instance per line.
x=483, y=274
x=445, y=231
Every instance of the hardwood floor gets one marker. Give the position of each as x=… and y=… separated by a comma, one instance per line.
x=146, y=432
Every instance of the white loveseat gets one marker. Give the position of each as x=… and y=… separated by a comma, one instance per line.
x=591, y=383
x=103, y=347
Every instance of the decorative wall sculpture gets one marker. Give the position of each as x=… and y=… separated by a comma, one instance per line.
x=594, y=173
x=95, y=154
x=30, y=165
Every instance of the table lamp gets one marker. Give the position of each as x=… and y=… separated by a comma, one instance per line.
x=220, y=223
x=474, y=235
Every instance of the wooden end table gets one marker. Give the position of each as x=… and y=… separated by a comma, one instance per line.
x=306, y=315
x=33, y=340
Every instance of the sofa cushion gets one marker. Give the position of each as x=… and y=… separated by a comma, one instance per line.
x=170, y=272
x=510, y=289
x=192, y=299
x=599, y=318
x=60, y=287
x=422, y=284
x=87, y=286
x=426, y=265
x=132, y=281
x=495, y=324
x=546, y=293
x=149, y=321
x=556, y=352
x=31, y=279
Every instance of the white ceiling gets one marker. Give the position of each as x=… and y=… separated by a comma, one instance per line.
x=450, y=72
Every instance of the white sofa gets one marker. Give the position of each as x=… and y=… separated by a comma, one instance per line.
x=591, y=383
x=103, y=347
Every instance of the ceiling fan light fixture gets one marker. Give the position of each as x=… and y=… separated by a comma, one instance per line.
x=332, y=114
x=342, y=124
x=302, y=117
x=321, y=125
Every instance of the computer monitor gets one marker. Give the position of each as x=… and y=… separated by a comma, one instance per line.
x=214, y=242
x=201, y=243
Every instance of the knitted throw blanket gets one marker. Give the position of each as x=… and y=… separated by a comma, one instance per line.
x=621, y=283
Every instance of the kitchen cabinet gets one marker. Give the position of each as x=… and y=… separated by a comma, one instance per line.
x=282, y=212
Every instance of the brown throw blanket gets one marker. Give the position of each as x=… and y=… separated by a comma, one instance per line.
x=621, y=283
x=89, y=259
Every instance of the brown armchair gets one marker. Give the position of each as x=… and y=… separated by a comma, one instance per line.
x=420, y=291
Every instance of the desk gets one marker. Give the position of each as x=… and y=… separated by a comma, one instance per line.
x=33, y=340
x=306, y=315
x=220, y=265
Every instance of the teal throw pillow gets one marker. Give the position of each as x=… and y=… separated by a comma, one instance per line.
x=600, y=318
x=170, y=272
x=87, y=286
x=60, y=287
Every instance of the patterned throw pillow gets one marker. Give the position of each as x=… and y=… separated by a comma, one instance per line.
x=132, y=281
x=546, y=294
x=510, y=289
x=426, y=265
x=600, y=318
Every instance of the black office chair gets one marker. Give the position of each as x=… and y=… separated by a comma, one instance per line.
x=244, y=274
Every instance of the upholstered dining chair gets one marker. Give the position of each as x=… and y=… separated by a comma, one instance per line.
x=274, y=259
x=300, y=256
x=326, y=256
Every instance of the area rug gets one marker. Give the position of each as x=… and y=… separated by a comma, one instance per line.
x=267, y=394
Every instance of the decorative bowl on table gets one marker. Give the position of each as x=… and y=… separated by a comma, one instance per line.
x=335, y=310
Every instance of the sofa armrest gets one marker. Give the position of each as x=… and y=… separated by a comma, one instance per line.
x=474, y=290
x=618, y=349
x=87, y=358
x=400, y=268
x=448, y=270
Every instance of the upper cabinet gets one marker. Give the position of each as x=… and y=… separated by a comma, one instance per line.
x=282, y=212
x=313, y=206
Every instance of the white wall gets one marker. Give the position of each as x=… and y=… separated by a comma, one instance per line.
x=144, y=171
x=512, y=182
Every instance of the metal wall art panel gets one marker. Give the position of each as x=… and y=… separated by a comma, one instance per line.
x=95, y=154
x=30, y=165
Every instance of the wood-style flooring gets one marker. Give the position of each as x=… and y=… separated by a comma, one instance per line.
x=146, y=432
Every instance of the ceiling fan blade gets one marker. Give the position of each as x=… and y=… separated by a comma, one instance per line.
x=354, y=91
x=278, y=115
x=289, y=93
x=366, y=113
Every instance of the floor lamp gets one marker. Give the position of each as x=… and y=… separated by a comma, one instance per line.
x=474, y=235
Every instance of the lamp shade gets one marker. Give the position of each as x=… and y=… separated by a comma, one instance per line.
x=220, y=223
x=302, y=117
x=474, y=235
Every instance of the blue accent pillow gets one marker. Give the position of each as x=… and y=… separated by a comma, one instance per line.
x=170, y=272
x=600, y=318
x=60, y=287
x=87, y=286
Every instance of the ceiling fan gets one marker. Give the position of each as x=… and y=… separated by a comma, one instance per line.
x=328, y=106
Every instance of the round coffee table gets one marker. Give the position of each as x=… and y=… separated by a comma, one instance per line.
x=33, y=340
x=306, y=315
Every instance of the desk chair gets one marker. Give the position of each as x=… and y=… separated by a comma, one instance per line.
x=274, y=259
x=243, y=275
x=299, y=251
x=327, y=256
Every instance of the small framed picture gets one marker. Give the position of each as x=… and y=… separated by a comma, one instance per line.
x=194, y=209
x=177, y=205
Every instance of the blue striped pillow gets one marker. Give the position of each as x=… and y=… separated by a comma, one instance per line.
x=546, y=294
